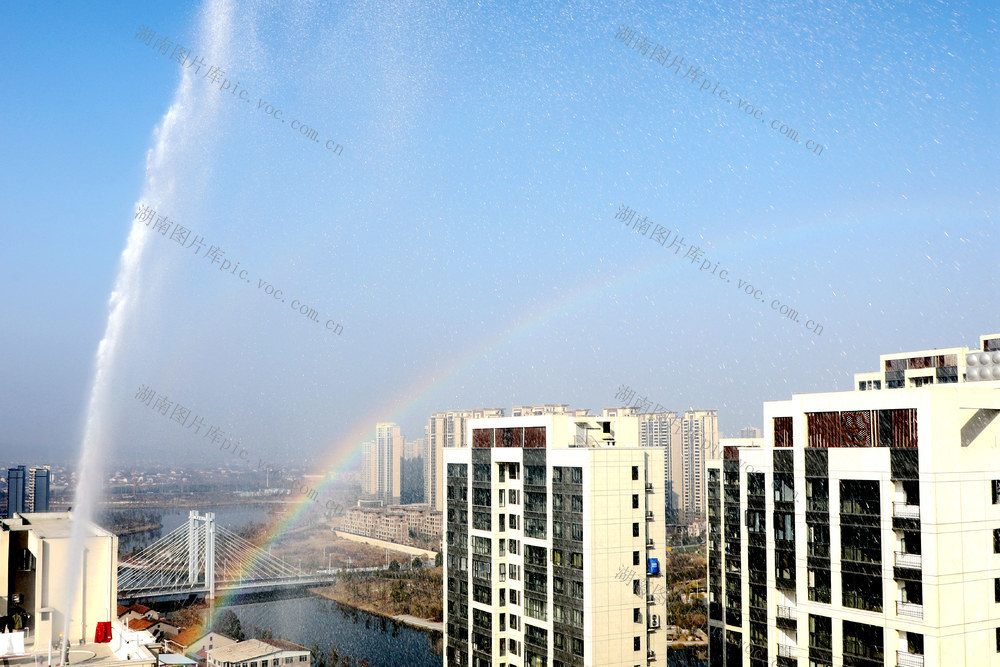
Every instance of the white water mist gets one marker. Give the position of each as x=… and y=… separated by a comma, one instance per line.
x=176, y=147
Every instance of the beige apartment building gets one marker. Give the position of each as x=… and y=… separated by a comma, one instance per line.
x=444, y=430
x=554, y=540
x=864, y=528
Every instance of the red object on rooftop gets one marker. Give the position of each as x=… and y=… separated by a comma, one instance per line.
x=103, y=634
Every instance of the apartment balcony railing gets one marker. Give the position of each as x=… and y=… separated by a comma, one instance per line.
x=786, y=612
x=786, y=650
x=649, y=515
x=649, y=542
x=905, y=511
x=906, y=659
x=909, y=609
x=912, y=561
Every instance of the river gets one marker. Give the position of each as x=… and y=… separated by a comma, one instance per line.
x=383, y=642
x=317, y=620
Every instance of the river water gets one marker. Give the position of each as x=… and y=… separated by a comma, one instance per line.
x=227, y=516
x=317, y=620
x=383, y=642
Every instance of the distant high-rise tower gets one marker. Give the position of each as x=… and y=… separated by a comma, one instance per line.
x=38, y=489
x=16, y=490
x=445, y=429
x=388, y=456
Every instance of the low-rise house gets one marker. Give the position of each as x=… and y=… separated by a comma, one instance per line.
x=196, y=642
x=259, y=653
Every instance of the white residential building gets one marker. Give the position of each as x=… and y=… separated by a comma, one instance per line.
x=864, y=529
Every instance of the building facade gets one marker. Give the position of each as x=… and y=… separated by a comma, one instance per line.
x=554, y=538
x=444, y=430
x=688, y=440
x=864, y=529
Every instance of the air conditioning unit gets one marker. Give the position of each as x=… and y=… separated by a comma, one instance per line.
x=654, y=620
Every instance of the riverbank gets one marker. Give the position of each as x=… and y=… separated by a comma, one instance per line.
x=339, y=596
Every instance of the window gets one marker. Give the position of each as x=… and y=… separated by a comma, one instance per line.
x=557, y=529
x=557, y=475
x=535, y=609
x=635, y=530
x=996, y=590
x=998, y=640
x=501, y=498
x=996, y=492
x=577, y=532
x=636, y=615
x=576, y=560
x=534, y=475
x=635, y=587
x=577, y=646
x=559, y=640
x=559, y=585
x=635, y=558
x=578, y=589
x=996, y=540
x=636, y=644
x=557, y=502
x=576, y=475
x=635, y=498
x=512, y=521
x=577, y=505
x=635, y=476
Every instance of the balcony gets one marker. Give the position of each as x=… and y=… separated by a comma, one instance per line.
x=786, y=650
x=909, y=610
x=650, y=654
x=786, y=612
x=905, y=511
x=649, y=515
x=911, y=561
x=649, y=543
x=649, y=486
x=905, y=659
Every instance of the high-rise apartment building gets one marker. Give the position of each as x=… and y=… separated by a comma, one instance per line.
x=389, y=456
x=688, y=439
x=444, y=430
x=369, y=469
x=554, y=538
x=864, y=529
x=17, y=490
x=38, y=489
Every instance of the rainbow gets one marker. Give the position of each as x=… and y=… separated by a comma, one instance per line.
x=403, y=403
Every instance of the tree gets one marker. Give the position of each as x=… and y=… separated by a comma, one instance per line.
x=438, y=560
x=417, y=562
x=394, y=566
x=334, y=657
x=228, y=624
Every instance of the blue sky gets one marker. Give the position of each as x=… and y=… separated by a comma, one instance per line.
x=471, y=214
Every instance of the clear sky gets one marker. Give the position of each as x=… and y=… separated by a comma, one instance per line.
x=466, y=236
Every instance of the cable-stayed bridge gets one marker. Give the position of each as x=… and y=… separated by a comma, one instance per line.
x=203, y=558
